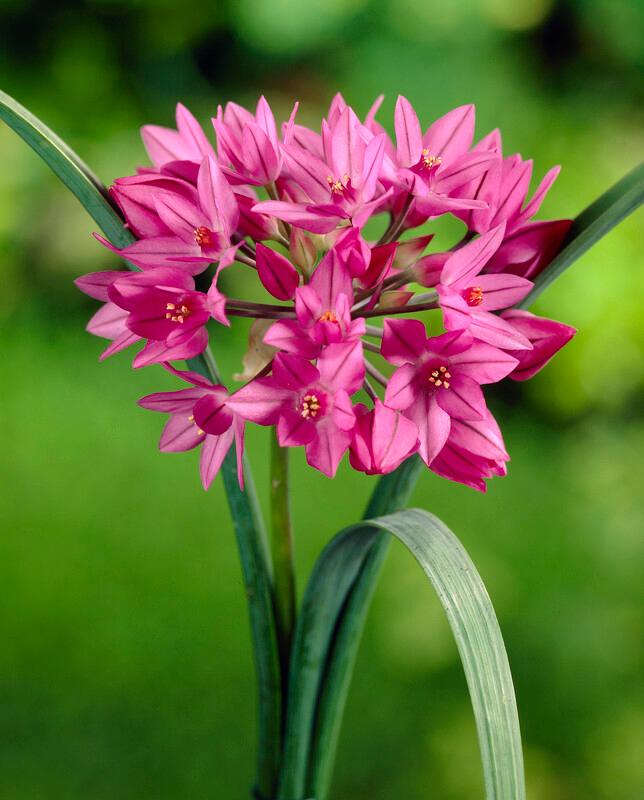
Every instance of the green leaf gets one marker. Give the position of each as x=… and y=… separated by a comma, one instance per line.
x=594, y=222
x=335, y=656
x=474, y=625
x=72, y=171
x=244, y=508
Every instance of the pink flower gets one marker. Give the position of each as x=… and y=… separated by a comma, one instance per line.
x=340, y=185
x=382, y=439
x=163, y=307
x=473, y=452
x=504, y=187
x=432, y=166
x=199, y=416
x=249, y=143
x=323, y=308
x=546, y=336
x=439, y=379
x=199, y=223
x=310, y=405
x=530, y=248
x=467, y=298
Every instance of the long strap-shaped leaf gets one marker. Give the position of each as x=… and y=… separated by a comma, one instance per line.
x=322, y=697
x=594, y=222
x=244, y=508
x=473, y=622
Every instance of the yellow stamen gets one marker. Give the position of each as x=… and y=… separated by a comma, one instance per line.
x=310, y=406
x=440, y=377
x=474, y=296
x=429, y=160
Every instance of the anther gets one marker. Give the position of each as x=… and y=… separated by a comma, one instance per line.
x=429, y=160
x=473, y=296
x=440, y=377
x=203, y=236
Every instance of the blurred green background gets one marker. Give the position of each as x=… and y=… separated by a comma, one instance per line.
x=125, y=669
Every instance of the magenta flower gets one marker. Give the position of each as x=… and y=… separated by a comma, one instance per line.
x=439, y=379
x=199, y=416
x=467, y=298
x=310, y=405
x=382, y=439
x=546, y=336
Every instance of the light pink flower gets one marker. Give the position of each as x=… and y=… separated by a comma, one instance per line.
x=467, y=298
x=439, y=379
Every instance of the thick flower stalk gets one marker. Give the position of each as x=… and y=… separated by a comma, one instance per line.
x=373, y=346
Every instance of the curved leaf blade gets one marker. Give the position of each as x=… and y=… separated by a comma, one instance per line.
x=594, y=222
x=72, y=171
x=244, y=507
x=473, y=622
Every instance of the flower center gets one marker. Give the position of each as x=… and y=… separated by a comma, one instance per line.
x=203, y=236
x=310, y=406
x=430, y=161
x=473, y=296
x=440, y=377
x=337, y=186
x=328, y=316
x=177, y=312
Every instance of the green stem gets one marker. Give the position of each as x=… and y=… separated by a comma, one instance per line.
x=282, y=554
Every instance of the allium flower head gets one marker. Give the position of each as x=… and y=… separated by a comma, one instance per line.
x=346, y=354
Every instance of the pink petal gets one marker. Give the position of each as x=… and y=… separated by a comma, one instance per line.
x=403, y=340
x=211, y=413
x=179, y=434
x=483, y=362
x=278, y=276
x=451, y=135
x=547, y=337
x=293, y=372
x=496, y=331
x=294, y=430
x=409, y=138
x=181, y=402
x=213, y=452
x=433, y=425
x=401, y=390
x=538, y=197
x=217, y=198
x=108, y=322
x=289, y=336
x=469, y=260
x=501, y=291
x=299, y=214
x=464, y=398
x=342, y=367
x=343, y=414
x=260, y=401
x=95, y=284
x=326, y=450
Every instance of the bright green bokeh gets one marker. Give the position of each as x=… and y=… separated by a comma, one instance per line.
x=125, y=668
